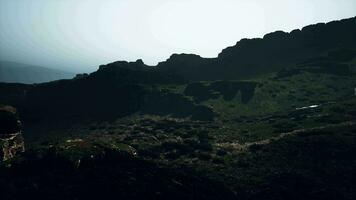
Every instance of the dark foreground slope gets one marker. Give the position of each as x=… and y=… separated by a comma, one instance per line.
x=114, y=175
x=315, y=163
x=12, y=72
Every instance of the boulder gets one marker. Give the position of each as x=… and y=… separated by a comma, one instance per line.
x=11, y=139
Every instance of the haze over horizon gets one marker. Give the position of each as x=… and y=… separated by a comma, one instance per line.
x=80, y=35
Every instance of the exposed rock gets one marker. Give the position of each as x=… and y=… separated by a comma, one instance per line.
x=11, y=140
x=11, y=145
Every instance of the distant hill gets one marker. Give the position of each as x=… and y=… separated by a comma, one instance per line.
x=12, y=72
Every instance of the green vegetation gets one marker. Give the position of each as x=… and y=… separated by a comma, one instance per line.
x=293, y=132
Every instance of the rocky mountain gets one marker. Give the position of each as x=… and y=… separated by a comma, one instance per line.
x=12, y=72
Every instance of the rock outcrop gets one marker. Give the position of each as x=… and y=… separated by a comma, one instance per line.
x=11, y=140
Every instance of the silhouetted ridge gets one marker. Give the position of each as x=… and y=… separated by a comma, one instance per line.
x=297, y=45
x=189, y=66
x=277, y=50
x=138, y=65
x=133, y=72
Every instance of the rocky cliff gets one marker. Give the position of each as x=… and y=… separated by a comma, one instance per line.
x=273, y=52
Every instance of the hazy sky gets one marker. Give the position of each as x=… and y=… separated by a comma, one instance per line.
x=79, y=35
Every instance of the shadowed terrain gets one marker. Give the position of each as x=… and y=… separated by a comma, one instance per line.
x=269, y=118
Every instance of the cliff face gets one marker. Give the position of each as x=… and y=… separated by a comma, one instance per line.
x=11, y=140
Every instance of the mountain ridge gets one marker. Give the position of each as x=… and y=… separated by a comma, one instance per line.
x=271, y=53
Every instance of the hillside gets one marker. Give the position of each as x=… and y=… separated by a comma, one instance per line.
x=271, y=118
x=11, y=72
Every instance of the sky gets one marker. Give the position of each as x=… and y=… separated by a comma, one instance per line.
x=79, y=35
